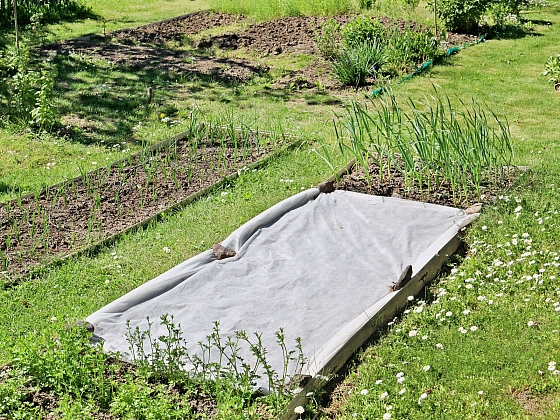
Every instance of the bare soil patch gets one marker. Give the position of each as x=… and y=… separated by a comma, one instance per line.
x=144, y=47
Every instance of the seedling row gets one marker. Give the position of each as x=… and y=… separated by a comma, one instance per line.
x=69, y=216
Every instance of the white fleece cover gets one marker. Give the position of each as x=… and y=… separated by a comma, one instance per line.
x=313, y=265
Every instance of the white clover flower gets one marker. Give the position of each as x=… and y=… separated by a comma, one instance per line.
x=384, y=395
x=439, y=346
x=410, y=298
x=484, y=227
x=364, y=392
x=412, y=333
x=378, y=382
x=426, y=368
x=400, y=380
x=424, y=337
x=480, y=392
x=422, y=397
x=166, y=250
x=402, y=391
x=530, y=323
x=474, y=328
x=462, y=330
x=466, y=312
x=299, y=410
x=400, y=374
x=387, y=416
x=53, y=319
x=448, y=314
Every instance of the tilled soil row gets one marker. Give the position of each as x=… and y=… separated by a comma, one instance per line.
x=66, y=218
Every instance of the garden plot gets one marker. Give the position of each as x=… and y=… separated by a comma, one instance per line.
x=316, y=266
x=98, y=205
x=232, y=48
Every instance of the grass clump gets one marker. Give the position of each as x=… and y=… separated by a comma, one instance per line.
x=367, y=48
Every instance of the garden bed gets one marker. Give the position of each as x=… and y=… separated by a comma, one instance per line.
x=65, y=218
x=397, y=186
x=180, y=45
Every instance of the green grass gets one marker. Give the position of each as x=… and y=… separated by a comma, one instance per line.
x=502, y=357
x=275, y=9
x=112, y=15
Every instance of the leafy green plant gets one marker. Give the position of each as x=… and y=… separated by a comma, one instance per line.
x=328, y=39
x=364, y=29
x=46, y=11
x=552, y=68
x=218, y=359
x=368, y=47
x=466, y=16
x=26, y=89
x=431, y=144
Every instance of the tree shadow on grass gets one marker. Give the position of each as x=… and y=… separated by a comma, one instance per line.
x=106, y=89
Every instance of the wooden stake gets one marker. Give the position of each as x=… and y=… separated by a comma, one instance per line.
x=16, y=25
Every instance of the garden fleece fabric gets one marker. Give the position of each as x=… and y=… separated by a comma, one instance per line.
x=312, y=264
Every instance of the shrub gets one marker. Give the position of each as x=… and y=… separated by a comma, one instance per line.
x=466, y=15
x=26, y=89
x=49, y=11
x=364, y=29
x=365, y=47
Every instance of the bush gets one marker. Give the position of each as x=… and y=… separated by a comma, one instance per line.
x=466, y=15
x=365, y=47
x=364, y=29
x=50, y=11
x=26, y=89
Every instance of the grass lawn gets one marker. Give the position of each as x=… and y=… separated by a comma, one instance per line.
x=481, y=342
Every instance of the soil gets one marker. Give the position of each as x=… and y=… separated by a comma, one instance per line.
x=67, y=217
x=149, y=47
x=395, y=185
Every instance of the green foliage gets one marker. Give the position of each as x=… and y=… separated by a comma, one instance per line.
x=218, y=359
x=274, y=9
x=66, y=365
x=49, y=12
x=328, y=40
x=357, y=62
x=26, y=89
x=364, y=29
x=467, y=15
x=432, y=144
x=138, y=400
x=366, y=47
x=552, y=68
